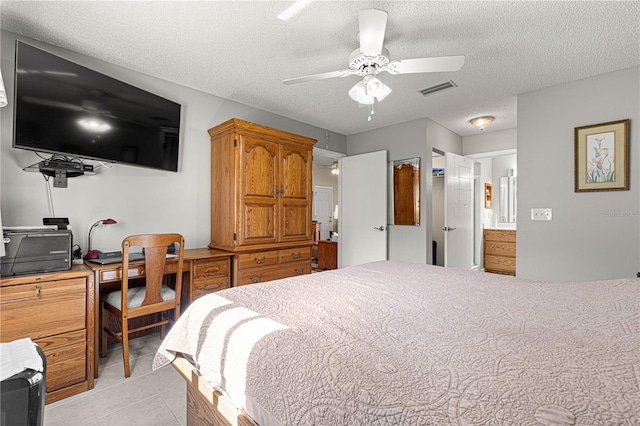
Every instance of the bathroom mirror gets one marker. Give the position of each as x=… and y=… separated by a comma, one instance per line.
x=406, y=192
x=508, y=205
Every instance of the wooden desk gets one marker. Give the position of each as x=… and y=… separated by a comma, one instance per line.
x=204, y=271
x=56, y=310
x=327, y=254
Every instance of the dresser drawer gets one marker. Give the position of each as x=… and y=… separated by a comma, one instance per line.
x=294, y=254
x=203, y=269
x=258, y=258
x=507, y=235
x=66, y=365
x=41, y=290
x=500, y=248
x=273, y=272
x=202, y=287
x=500, y=264
x=43, y=309
x=115, y=274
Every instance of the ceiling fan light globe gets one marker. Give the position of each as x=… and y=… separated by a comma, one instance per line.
x=359, y=91
x=383, y=93
x=374, y=86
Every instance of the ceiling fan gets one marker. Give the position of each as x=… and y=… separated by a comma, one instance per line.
x=371, y=58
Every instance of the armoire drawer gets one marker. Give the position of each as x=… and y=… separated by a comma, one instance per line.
x=257, y=259
x=273, y=272
x=294, y=254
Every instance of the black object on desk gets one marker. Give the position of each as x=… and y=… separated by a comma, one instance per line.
x=115, y=257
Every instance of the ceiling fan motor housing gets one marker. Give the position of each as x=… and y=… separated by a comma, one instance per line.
x=360, y=62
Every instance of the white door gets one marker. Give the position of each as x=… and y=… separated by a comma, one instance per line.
x=323, y=209
x=362, y=190
x=458, y=211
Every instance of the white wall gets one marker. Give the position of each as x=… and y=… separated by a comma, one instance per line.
x=593, y=235
x=415, y=138
x=140, y=200
x=487, y=142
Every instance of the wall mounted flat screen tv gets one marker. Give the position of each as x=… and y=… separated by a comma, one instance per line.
x=65, y=108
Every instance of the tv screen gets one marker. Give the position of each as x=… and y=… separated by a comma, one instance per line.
x=65, y=108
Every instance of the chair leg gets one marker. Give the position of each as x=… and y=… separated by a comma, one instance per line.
x=103, y=334
x=125, y=346
x=163, y=327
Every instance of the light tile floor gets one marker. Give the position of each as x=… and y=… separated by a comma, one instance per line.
x=148, y=397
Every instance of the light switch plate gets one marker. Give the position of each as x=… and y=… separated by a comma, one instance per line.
x=541, y=214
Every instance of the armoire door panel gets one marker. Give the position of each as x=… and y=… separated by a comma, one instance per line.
x=259, y=224
x=295, y=222
x=295, y=179
x=260, y=168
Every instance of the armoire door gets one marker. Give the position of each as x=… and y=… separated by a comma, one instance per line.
x=258, y=183
x=295, y=193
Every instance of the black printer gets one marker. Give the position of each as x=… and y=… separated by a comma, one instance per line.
x=30, y=251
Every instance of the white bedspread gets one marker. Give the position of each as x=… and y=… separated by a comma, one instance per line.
x=392, y=343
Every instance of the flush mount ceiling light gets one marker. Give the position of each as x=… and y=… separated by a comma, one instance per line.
x=334, y=168
x=482, y=122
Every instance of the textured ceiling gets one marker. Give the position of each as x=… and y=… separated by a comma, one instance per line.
x=240, y=51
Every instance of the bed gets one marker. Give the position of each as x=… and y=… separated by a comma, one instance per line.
x=394, y=343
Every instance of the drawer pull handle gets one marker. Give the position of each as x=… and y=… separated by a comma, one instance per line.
x=38, y=290
x=255, y=280
x=211, y=270
x=259, y=261
x=299, y=271
x=296, y=255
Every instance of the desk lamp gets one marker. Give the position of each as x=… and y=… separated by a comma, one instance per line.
x=92, y=254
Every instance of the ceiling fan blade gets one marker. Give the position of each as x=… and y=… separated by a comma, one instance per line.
x=321, y=76
x=436, y=64
x=373, y=24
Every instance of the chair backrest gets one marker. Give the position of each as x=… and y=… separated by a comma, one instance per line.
x=155, y=260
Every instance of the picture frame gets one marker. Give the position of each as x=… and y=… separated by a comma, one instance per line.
x=602, y=157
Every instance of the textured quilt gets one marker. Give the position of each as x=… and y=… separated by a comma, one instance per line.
x=393, y=343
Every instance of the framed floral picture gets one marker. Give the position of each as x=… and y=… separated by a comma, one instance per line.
x=602, y=157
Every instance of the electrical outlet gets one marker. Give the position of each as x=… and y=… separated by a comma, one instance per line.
x=541, y=214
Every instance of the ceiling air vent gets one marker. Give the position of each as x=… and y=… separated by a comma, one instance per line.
x=438, y=88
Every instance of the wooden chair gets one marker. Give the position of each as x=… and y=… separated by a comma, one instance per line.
x=152, y=298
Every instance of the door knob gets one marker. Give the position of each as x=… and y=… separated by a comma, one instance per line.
x=447, y=228
x=380, y=228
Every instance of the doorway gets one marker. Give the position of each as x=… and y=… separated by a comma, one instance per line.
x=323, y=208
x=453, y=210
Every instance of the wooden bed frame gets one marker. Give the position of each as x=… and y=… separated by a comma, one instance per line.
x=206, y=406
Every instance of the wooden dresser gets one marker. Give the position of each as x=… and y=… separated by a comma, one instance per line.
x=261, y=200
x=500, y=251
x=55, y=310
x=327, y=254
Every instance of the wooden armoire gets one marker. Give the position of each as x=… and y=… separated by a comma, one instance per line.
x=261, y=207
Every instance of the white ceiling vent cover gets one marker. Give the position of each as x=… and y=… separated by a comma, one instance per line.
x=438, y=88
